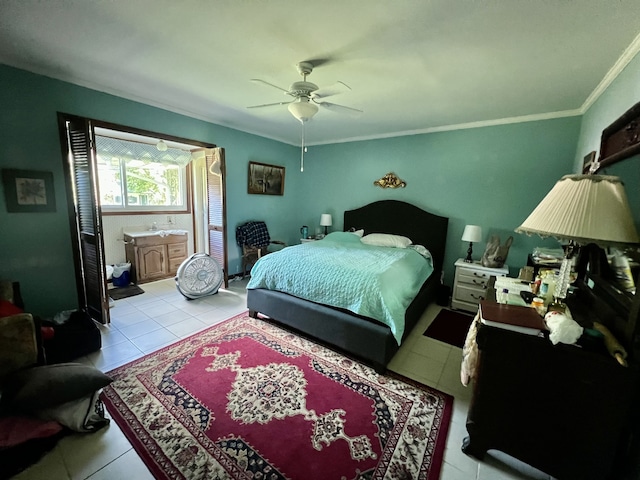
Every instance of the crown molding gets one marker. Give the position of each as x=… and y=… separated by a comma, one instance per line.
x=629, y=54
x=461, y=126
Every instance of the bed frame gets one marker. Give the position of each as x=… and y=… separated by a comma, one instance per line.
x=358, y=336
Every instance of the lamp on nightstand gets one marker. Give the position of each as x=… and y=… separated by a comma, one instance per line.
x=582, y=209
x=325, y=221
x=472, y=233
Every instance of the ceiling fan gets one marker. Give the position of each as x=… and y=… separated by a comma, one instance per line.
x=308, y=96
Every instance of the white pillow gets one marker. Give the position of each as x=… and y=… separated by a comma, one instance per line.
x=85, y=414
x=386, y=240
x=357, y=233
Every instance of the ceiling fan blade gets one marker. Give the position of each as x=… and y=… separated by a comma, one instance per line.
x=283, y=90
x=270, y=105
x=319, y=61
x=334, y=89
x=334, y=107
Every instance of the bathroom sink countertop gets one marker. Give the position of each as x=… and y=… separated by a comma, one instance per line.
x=150, y=233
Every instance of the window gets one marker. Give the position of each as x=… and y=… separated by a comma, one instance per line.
x=136, y=177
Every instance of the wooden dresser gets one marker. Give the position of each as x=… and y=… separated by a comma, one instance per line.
x=568, y=411
x=154, y=257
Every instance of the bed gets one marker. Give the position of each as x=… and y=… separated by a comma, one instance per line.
x=362, y=337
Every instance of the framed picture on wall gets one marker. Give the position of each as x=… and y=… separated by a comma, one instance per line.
x=28, y=191
x=266, y=179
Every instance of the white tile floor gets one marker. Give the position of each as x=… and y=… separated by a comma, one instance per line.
x=160, y=316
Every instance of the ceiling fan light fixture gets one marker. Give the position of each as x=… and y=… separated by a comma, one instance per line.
x=302, y=109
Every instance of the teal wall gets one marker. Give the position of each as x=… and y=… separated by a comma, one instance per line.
x=35, y=247
x=491, y=176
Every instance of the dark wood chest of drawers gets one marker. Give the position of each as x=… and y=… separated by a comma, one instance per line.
x=565, y=410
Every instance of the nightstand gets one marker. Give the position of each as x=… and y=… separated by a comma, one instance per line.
x=470, y=284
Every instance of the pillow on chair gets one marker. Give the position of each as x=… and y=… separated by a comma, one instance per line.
x=6, y=291
x=18, y=343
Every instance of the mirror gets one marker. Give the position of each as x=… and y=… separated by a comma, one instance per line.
x=620, y=156
x=629, y=172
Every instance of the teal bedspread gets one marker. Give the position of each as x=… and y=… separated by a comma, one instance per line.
x=341, y=271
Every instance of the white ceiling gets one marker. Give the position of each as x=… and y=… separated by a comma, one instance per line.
x=413, y=66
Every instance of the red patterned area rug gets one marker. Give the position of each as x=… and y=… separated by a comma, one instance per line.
x=246, y=399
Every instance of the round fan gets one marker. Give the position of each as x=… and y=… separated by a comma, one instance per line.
x=307, y=95
x=198, y=276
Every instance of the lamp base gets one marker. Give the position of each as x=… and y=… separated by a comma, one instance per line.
x=469, y=252
x=562, y=282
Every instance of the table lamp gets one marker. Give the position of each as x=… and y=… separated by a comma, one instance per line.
x=325, y=221
x=582, y=209
x=472, y=233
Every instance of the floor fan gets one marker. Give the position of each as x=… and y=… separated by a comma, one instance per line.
x=198, y=276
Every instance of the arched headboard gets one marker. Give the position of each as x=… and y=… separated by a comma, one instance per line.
x=401, y=218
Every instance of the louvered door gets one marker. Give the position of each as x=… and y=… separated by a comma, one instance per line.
x=217, y=225
x=85, y=216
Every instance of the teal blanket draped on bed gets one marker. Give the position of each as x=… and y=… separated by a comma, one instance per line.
x=341, y=271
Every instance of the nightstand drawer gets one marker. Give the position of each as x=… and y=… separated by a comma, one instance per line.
x=476, y=279
x=475, y=273
x=470, y=294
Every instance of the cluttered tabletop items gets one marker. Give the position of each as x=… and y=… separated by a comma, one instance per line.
x=527, y=305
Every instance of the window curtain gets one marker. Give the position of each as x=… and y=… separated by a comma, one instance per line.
x=108, y=148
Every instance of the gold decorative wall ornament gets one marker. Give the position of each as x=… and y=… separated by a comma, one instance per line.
x=390, y=180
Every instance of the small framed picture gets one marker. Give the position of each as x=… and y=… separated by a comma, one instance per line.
x=266, y=179
x=588, y=161
x=28, y=191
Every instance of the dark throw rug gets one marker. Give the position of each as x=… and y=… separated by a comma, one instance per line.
x=246, y=399
x=119, y=293
x=450, y=327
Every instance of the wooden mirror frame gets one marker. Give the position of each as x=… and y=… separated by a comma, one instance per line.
x=621, y=139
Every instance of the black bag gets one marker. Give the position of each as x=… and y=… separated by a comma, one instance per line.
x=77, y=336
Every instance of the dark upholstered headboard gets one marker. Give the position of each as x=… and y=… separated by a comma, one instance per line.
x=401, y=218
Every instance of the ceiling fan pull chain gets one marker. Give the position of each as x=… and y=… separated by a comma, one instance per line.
x=302, y=150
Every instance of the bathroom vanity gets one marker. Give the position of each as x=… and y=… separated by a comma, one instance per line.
x=154, y=254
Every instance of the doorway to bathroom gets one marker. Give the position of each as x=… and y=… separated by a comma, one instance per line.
x=122, y=179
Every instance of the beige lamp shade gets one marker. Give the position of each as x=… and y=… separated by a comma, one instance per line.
x=325, y=220
x=585, y=209
x=472, y=233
